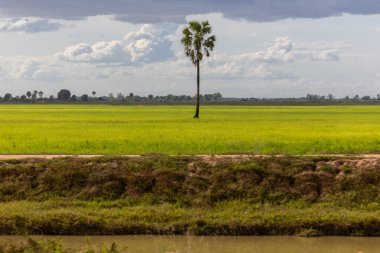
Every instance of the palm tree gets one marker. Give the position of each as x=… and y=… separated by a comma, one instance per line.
x=41, y=93
x=198, y=43
x=34, y=95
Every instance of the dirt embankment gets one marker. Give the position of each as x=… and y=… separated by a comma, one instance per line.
x=193, y=180
x=202, y=184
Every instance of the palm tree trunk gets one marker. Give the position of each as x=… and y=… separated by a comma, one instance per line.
x=196, y=116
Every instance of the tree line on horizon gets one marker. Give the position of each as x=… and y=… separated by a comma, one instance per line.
x=65, y=95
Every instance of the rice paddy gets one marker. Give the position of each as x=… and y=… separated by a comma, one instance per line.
x=107, y=129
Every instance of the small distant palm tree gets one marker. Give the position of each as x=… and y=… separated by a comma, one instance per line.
x=41, y=93
x=198, y=42
x=34, y=95
x=93, y=94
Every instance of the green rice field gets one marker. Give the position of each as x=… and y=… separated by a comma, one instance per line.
x=106, y=129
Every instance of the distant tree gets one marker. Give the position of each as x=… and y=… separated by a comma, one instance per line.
x=111, y=96
x=93, y=94
x=330, y=97
x=198, y=43
x=217, y=97
x=84, y=97
x=73, y=98
x=23, y=97
x=40, y=94
x=51, y=98
x=29, y=94
x=120, y=96
x=64, y=94
x=378, y=97
x=170, y=97
x=150, y=97
x=131, y=96
x=34, y=95
x=208, y=97
x=366, y=98
x=8, y=97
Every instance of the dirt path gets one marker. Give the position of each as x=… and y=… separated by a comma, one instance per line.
x=10, y=157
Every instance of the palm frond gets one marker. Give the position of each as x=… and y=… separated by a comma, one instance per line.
x=206, y=28
x=205, y=23
x=210, y=43
x=195, y=27
x=196, y=43
x=206, y=52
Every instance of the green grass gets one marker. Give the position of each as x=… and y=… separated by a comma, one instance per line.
x=230, y=218
x=103, y=129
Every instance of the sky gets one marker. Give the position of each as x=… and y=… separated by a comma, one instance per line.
x=265, y=48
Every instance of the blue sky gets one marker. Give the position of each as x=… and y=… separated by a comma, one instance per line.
x=268, y=48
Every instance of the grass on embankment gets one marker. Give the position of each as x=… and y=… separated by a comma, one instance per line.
x=233, y=218
x=180, y=195
x=102, y=129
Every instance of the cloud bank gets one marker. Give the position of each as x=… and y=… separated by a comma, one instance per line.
x=153, y=11
x=150, y=48
x=150, y=44
x=28, y=25
x=33, y=69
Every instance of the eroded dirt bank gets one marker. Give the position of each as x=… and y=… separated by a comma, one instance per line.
x=244, y=195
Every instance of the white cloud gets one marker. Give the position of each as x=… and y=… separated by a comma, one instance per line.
x=150, y=48
x=245, y=70
x=283, y=50
x=328, y=55
x=218, y=66
x=323, y=45
x=262, y=72
x=276, y=62
x=280, y=51
x=24, y=69
x=101, y=52
x=29, y=25
x=320, y=50
x=47, y=75
x=31, y=69
x=149, y=44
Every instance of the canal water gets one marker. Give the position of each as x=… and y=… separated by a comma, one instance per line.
x=220, y=244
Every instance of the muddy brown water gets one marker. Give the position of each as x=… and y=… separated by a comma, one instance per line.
x=220, y=244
